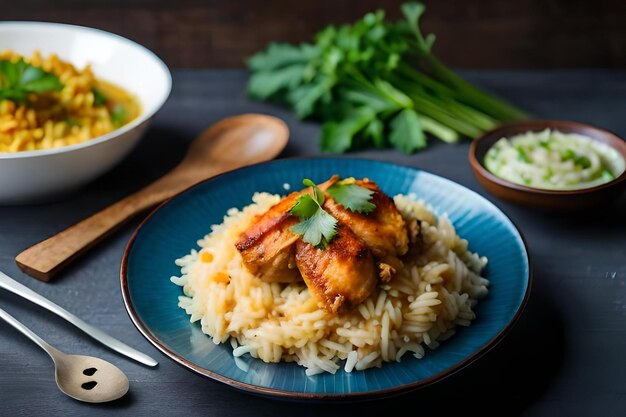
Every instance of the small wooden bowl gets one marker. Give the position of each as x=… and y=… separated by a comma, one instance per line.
x=552, y=200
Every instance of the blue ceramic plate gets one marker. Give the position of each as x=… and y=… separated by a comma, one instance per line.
x=173, y=229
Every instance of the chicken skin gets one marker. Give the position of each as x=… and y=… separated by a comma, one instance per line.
x=342, y=275
x=383, y=230
x=267, y=247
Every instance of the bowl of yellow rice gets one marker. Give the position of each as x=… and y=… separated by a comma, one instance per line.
x=74, y=101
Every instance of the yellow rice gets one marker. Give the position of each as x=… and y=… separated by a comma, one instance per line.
x=66, y=117
x=275, y=322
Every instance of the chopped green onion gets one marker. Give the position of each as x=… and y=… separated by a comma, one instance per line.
x=99, y=99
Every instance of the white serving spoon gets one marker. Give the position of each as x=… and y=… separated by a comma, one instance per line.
x=83, y=378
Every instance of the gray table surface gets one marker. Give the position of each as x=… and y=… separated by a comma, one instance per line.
x=565, y=357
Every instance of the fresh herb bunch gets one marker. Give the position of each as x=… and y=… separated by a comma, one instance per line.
x=316, y=226
x=375, y=83
x=19, y=79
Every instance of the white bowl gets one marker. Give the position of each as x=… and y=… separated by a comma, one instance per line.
x=32, y=176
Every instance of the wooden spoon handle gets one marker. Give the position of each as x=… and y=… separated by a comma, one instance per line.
x=43, y=260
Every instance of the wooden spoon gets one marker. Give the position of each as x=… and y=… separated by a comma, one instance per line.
x=84, y=378
x=229, y=144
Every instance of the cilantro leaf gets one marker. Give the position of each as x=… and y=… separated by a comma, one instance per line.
x=374, y=132
x=282, y=68
x=316, y=226
x=412, y=12
x=305, y=207
x=264, y=84
x=317, y=193
x=338, y=136
x=18, y=79
x=406, y=132
x=279, y=55
x=318, y=230
x=353, y=197
x=304, y=98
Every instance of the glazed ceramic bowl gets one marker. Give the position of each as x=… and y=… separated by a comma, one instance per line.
x=32, y=176
x=551, y=200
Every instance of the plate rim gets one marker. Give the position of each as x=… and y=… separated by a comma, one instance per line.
x=298, y=395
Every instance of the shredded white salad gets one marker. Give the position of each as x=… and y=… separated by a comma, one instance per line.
x=554, y=160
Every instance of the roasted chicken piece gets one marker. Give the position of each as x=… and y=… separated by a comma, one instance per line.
x=365, y=247
x=383, y=230
x=267, y=246
x=342, y=275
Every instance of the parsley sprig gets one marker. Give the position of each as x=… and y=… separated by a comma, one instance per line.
x=19, y=79
x=316, y=226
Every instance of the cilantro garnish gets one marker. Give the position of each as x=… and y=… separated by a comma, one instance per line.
x=318, y=230
x=316, y=226
x=375, y=83
x=353, y=197
x=18, y=79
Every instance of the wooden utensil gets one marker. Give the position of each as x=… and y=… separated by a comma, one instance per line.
x=84, y=378
x=229, y=144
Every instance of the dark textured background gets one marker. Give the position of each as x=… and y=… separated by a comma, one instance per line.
x=470, y=33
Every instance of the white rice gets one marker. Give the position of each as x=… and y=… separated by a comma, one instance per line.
x=420, y=307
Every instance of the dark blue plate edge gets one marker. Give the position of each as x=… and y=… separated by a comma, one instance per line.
x=314, y=397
